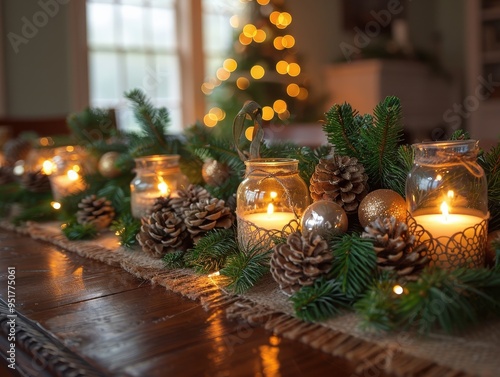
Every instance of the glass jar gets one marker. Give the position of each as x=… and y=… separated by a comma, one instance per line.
x=69, y=165
x=447, y=199
x=269, y=201
x=156, y=176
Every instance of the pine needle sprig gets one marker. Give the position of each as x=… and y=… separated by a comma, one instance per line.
x=92, y=126
x=41, y=211
x=461, y=295
x=490, y=162
x=126, y=228
x=175, y=260
x=377, y=308
x=341, y=130
x=74, y=231
x=354, y=263
x=381, y=143
x=210, y=253
x=245, y=268
x=320, y=301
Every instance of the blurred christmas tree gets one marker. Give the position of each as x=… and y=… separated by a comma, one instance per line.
x=263, y=67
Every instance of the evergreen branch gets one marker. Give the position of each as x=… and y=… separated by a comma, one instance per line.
x=462, y=295
x=377, y=308
x=42, y=211
x=175, y=260
x=210, y=253
x=381, y=143
x=321, y=301
x=74, y=231
x=126, y=228
x=490, y=162
x=92, y=126
x=460, y=135
x=354, y=263
x=341, y=131
x=245, y=268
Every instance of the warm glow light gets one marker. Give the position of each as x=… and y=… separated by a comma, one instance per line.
x=163, y=187
x=230, y=65
x=44, y=141
x=257, y=72
x=244, y=40
x=279, y=106
x=222, y=74
x=293, y=69
x=284, y=19
x=397, y=289
x=445, y=210
x=210, y=120
x=207, y=88
x=249, y=133
x=242, y=83
x=293, y=90
x=76, y=168
x=267, y=113
x=263, y=2
x=70, y=148
x=55, y=205
x=282, y=67
x=273, y=17
x=288, y=41
x=260, y=36
x=48, y=167
x=270, y=209
x=219, y=113
x=72, y=175
x=249, y=30
x=284, y=115
x=439, y=177
x=273, y=194
x=214, y=274
x=304, y=93
x=451, y=194
x=234, y=21
x=278, y=43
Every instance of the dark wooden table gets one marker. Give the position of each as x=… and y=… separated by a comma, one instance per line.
x=83, y=315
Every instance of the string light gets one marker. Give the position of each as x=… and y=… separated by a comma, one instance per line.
x=242, y=83
x=257, y=72
x=397, y=289
x=293, y=90
x=249, y=133
x=267, y=113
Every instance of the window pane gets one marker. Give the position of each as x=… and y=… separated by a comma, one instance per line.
x=168, y=83
x=103, y=67
x=164, y=31
x=163, y=3
x=100, y=24
x=132, y=25
x=136, y=70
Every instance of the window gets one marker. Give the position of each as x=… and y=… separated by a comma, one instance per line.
x=135, y=44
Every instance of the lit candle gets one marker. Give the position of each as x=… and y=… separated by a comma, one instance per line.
x=142, y=202
x=66, y=184
x=271, y=219
x=444, y=226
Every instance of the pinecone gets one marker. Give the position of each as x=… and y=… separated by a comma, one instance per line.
x=96, y=211
x=161, y=204
x=185, y=197
x=16, y=149
x=340, y=179
x=6, y=175
x=205, y=215
x=161, y=233
x=395, y=247
x=215, y=173
x=35, y=182
x=300, y=261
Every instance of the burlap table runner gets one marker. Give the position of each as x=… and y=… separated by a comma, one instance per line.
x=474, y=353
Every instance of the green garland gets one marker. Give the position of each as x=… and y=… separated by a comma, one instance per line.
x=354, y=282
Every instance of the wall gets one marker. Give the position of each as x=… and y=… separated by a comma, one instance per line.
x=37, y=69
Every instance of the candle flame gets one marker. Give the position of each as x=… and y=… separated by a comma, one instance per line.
x=72, y=175
x=48, y=167
x=451, y=194
x=274, y=195
x=445, y=211
x=270, y=209
x=163, y=187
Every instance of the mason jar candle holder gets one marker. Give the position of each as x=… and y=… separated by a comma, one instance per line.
x=68, y=166
x=156, y=176
x=269, y=201
x=447, y=199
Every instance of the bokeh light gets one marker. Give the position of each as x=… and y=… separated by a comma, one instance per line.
x=267, y=113
x=242, y=83
x=293, y=90
x=257, y=72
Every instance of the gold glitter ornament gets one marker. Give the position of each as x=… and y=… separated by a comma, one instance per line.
x=381, y=203
x=214, y=173
x=325, y=218
x=107, y=165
